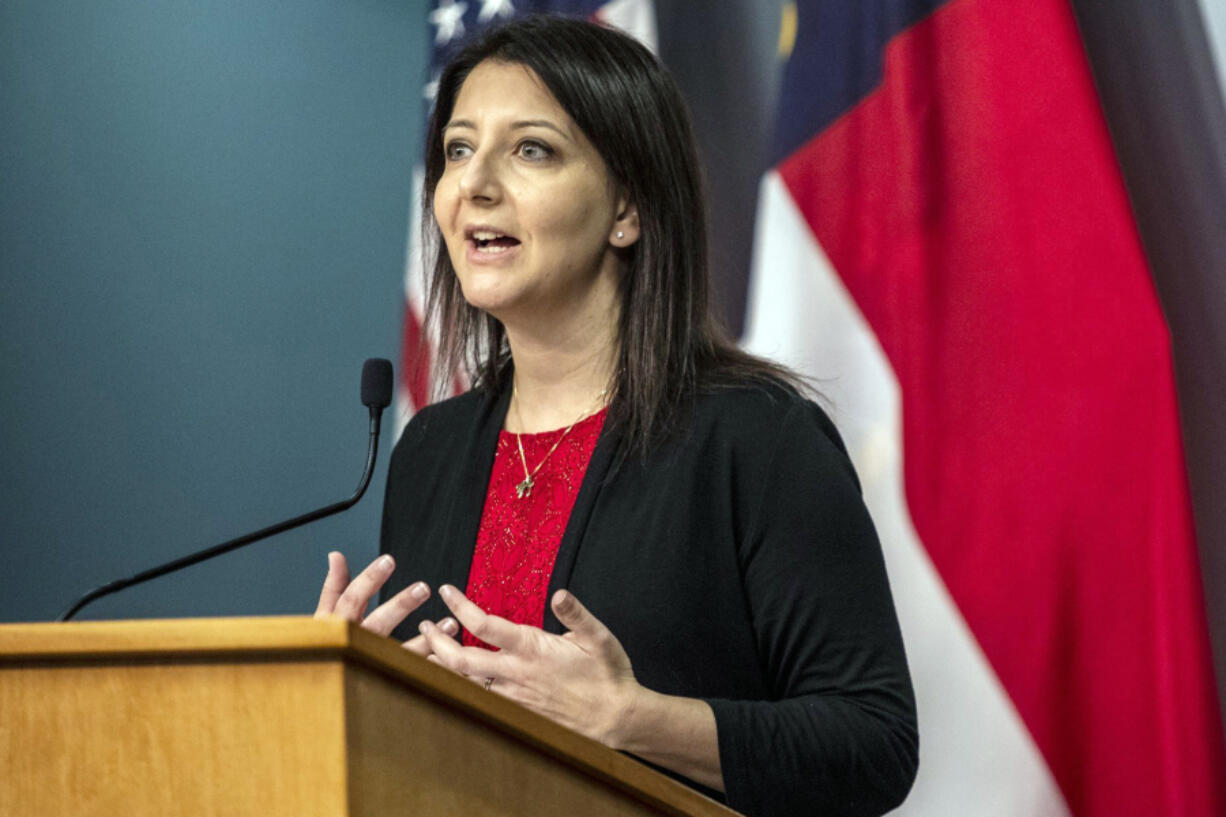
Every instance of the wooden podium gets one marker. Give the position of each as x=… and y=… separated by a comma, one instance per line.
x=284, y=716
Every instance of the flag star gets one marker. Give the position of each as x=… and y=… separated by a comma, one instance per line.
x=495, y=8
x=449, y=17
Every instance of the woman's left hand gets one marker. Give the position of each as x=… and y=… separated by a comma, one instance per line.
x=582, y=680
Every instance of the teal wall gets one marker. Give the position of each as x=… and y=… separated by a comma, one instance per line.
x=203, y=211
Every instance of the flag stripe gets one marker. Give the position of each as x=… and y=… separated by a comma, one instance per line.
x=1043, y=469
x=635, y=17
x=417, y=355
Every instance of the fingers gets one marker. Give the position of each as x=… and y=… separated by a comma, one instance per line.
x=576, y=618
x=419, y=645
x=493, y=630
x=473, y=661
x=334, y=584
x=388, y=615
x=353, y=601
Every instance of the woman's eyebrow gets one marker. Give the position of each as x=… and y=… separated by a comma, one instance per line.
x=539, y=123
x=523, y=123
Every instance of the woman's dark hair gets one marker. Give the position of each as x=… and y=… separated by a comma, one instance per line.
x=627, y=105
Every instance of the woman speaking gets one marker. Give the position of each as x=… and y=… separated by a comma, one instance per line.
x=631, y=526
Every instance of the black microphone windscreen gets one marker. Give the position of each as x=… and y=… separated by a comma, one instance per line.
x=376, y=383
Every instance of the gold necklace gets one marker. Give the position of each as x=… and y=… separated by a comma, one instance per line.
x=524, y=488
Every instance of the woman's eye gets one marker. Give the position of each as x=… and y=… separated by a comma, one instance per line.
x=535, y=151
x=455, y=150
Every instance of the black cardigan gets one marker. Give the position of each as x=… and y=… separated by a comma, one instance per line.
x=737, y=564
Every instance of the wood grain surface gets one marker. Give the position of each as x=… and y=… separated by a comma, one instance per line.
x=274, y=716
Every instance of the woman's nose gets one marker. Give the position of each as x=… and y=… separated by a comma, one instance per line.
x=479, y=179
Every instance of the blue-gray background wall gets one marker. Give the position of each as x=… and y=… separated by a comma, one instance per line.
x=202, y=225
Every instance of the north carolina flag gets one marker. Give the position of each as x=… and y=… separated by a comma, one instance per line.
x=945, y=242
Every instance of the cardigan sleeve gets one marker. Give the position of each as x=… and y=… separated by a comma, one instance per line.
x=838, y=736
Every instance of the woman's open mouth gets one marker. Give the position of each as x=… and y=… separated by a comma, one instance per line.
x=490, y=242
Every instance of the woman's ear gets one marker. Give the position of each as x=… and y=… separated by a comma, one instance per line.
x=626, y=227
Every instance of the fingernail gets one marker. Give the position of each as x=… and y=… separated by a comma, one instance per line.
x=424, y=627
x=385, y=562
x=449, y=626
x=419, y=591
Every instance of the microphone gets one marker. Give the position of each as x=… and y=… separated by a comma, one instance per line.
x=376, y=396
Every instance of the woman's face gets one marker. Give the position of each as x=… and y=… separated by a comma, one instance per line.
x=525, y=203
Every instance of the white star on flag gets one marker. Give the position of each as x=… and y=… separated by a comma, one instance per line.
x=449, y=17
x=495, y=8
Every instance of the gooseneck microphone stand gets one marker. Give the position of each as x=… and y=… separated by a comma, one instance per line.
x=376, y=395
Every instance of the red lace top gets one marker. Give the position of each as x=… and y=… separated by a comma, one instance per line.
x=518, y=540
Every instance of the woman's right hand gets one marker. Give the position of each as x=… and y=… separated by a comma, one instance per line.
x=350, y=599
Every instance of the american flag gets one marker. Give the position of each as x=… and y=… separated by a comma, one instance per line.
x=454, y=23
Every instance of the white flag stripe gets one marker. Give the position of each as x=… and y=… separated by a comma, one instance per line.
x=976, y=755
x=414, y=283
x=635, y=17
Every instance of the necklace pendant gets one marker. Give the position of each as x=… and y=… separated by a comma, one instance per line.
x=524, y=488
